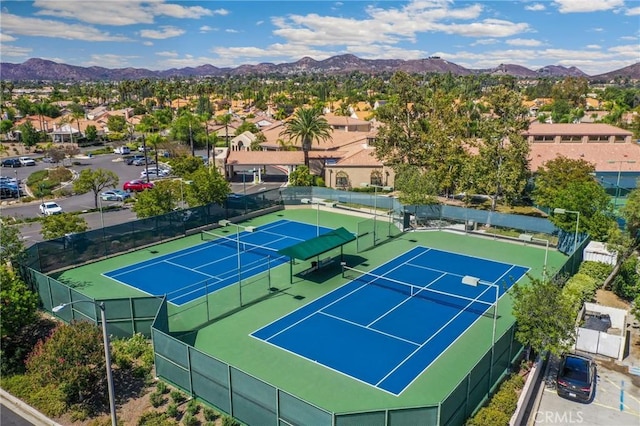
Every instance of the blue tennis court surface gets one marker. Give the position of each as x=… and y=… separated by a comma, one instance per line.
x=385, y=328
x=188, y=274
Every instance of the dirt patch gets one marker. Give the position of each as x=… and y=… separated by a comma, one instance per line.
x=608, y=298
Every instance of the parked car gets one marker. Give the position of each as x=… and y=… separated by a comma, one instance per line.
x=576, y=377
x=153, y=173
x=49, y=208
x=114, y=195
x=122, y=150
x=137, y=185
x=129, y=160
x=27, y=161
x=11, y=162
x=9, y=191
x=10, y=180
x=141, y=162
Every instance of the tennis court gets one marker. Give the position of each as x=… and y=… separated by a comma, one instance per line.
x=226, y=256
x=386, y=326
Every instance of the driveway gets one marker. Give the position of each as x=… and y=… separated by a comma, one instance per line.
x=617, y=400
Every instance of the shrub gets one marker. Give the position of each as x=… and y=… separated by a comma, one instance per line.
x=193, y=407
x=135, y=352
x=580, y=288
x=506, y=401
x=155, y=418
x=172, y=410
x=597, y=270
x=210, y=414
x=627, y=283
x=156, y=399
x=162, y=387
x=488, y=416
x=189, y=420
x=229, y=421
x=177, y=396
x=48, y=399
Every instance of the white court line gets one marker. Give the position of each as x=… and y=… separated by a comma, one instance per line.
x=429, y=339
x=370, y=329
x=189, y=269
x=400, y=304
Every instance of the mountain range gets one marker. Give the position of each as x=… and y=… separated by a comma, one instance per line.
x=41, y=69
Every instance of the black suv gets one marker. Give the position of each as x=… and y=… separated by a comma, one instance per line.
x=576, y=378
x=11, y=162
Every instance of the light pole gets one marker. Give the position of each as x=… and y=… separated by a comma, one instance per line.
x=308, y=201
x=529, y=237
x=101, y=214
x=558, y=210
x=615, y=202
x=474, y=281
x=18, y=185
x=107, y=353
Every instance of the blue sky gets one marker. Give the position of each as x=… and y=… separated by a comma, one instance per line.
x=594, y=35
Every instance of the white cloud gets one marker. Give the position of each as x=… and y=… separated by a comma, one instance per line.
x=6, y=37
x=164, y=33
x=221, y=12
x=110, y=61
x=147, y=43
x=259, y=23
x=231, y=31
x=573, y=6
x=593, y=46
x=21, y=25
x=130, y=12
x=167, y=54
x=485, y=42
x=536, y=7
x=485, y=28
x=14, y=51
x=523, y=42
x=633, y=11
x=206, y=29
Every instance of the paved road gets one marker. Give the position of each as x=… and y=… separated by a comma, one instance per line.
x=10, y=418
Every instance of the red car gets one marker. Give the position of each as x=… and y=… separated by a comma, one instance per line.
x=137, y=185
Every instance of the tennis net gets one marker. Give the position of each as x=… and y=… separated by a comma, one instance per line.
x=460, y=302
x=239, y=245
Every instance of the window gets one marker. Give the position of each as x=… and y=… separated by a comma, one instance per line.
x=598, y=139
x=342, y=180
x=376, y=178
x=620, y=139
x=543, y=139
x=571, y=139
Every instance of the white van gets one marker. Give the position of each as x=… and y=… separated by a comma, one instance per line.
x=122, y=150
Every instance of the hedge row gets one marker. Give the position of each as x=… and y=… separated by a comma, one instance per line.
x=501, y=406
x=582, y=286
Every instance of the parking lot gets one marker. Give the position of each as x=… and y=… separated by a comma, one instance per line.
x=616, y=402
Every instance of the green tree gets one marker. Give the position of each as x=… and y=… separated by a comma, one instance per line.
x=207, y=186
x=555, y=175
x=91, y=133
x=71, y=358
x=415, y=185
x=501, y=168
x=307, y=126
x=163, y=198
x=301, y=177
x=18, y=304
x=5, y=126
x=95, y=180
x=544, y=315
x=116, y=123
x=28, y=134
x=187, y=128
x=631, y=214
x=11, y=245
x=185, y=166
x=225, y=120
x=58, y=225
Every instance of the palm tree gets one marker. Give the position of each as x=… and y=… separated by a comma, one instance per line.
x=225, y=120
x=307, y=125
